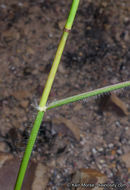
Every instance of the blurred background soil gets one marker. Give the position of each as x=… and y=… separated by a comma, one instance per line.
x=87, y=134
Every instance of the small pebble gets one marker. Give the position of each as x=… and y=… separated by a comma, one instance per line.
x=110, y=145
x=82, y=142
x=100, y=149
x=61, y=24
x=58, y=176
x=3, y=6
x=102, y=161
x=20, y=4
x=119, y=151
x=50, y=35
x=24, y=103
x=99, y=166
x=94, y=151
x=12, y=68
x=118, y=124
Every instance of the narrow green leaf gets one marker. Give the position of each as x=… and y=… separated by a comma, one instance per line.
x=88, y=94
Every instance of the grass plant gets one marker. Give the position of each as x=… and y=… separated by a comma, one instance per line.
x=43, y=103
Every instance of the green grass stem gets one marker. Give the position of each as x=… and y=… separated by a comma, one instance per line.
x=44, y=97
x=88, y=94
x=28, y=150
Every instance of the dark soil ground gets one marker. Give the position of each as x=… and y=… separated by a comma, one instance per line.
x=97, y=54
